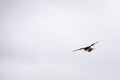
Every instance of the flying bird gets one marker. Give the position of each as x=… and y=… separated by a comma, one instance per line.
x=88, y=48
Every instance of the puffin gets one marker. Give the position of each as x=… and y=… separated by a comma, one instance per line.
x=87, y=49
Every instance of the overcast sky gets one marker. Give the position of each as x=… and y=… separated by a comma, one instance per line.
x=37, y=38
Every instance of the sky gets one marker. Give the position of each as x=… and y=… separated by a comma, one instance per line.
x=37, y=38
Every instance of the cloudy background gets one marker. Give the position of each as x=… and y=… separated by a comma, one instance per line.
x=37, y=38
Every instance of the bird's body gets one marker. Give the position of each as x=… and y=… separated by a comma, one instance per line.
x=88, y=48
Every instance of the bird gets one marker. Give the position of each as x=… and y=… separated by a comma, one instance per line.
x=88, y=48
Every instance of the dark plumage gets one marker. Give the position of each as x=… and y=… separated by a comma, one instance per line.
x=88, y=48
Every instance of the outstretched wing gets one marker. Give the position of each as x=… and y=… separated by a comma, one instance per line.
x=77, y=49
x=93, y=44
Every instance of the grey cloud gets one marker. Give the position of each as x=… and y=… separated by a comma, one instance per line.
x=37, y=38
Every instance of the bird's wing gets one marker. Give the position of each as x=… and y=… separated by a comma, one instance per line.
x=93, y=44
x=78, y=49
